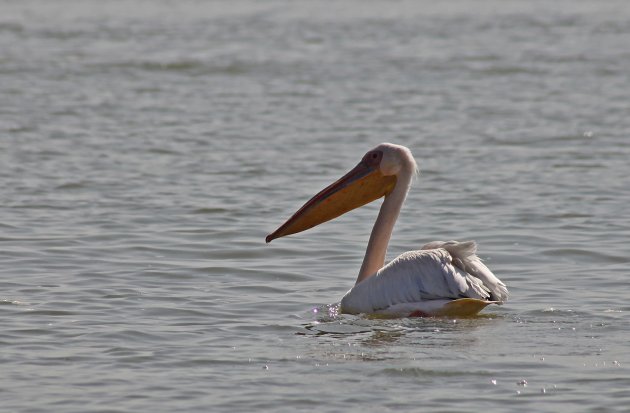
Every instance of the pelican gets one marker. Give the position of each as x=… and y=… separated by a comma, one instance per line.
x=439, y=279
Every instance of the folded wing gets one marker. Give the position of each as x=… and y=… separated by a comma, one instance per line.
x=439, y=271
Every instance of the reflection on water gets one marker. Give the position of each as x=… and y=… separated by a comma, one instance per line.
x=378, y=331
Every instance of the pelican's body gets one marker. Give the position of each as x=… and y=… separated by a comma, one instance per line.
x=442, y=278
x=426, y=282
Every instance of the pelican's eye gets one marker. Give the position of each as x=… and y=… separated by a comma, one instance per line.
x=373, y=158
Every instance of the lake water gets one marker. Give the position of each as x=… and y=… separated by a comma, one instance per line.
x=148, y=147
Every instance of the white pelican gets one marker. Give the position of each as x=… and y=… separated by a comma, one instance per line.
x=440, y=279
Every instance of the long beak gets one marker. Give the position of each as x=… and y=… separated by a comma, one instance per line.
x=360, y=186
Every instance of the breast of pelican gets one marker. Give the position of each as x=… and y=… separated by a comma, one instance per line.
x=439, y=279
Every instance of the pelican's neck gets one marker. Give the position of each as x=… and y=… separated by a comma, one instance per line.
x=384, y=226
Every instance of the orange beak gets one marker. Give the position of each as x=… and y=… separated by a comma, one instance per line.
x=360, y=186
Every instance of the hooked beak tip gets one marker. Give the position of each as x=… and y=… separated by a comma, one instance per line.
x=268, y=239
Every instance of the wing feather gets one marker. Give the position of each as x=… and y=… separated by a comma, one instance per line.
x=465, y=258
x=413, y=277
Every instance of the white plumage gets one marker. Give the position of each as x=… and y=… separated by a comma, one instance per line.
x=424, y=280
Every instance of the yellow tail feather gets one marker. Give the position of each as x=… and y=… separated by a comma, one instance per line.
x=462, y=307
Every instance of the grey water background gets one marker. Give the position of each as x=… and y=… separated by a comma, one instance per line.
x=147, y=148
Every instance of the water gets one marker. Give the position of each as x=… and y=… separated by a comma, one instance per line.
x=147, y=148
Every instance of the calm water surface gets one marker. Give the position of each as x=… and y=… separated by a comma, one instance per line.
x=147, y=148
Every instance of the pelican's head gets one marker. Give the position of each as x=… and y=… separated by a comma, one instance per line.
x=374, y=177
